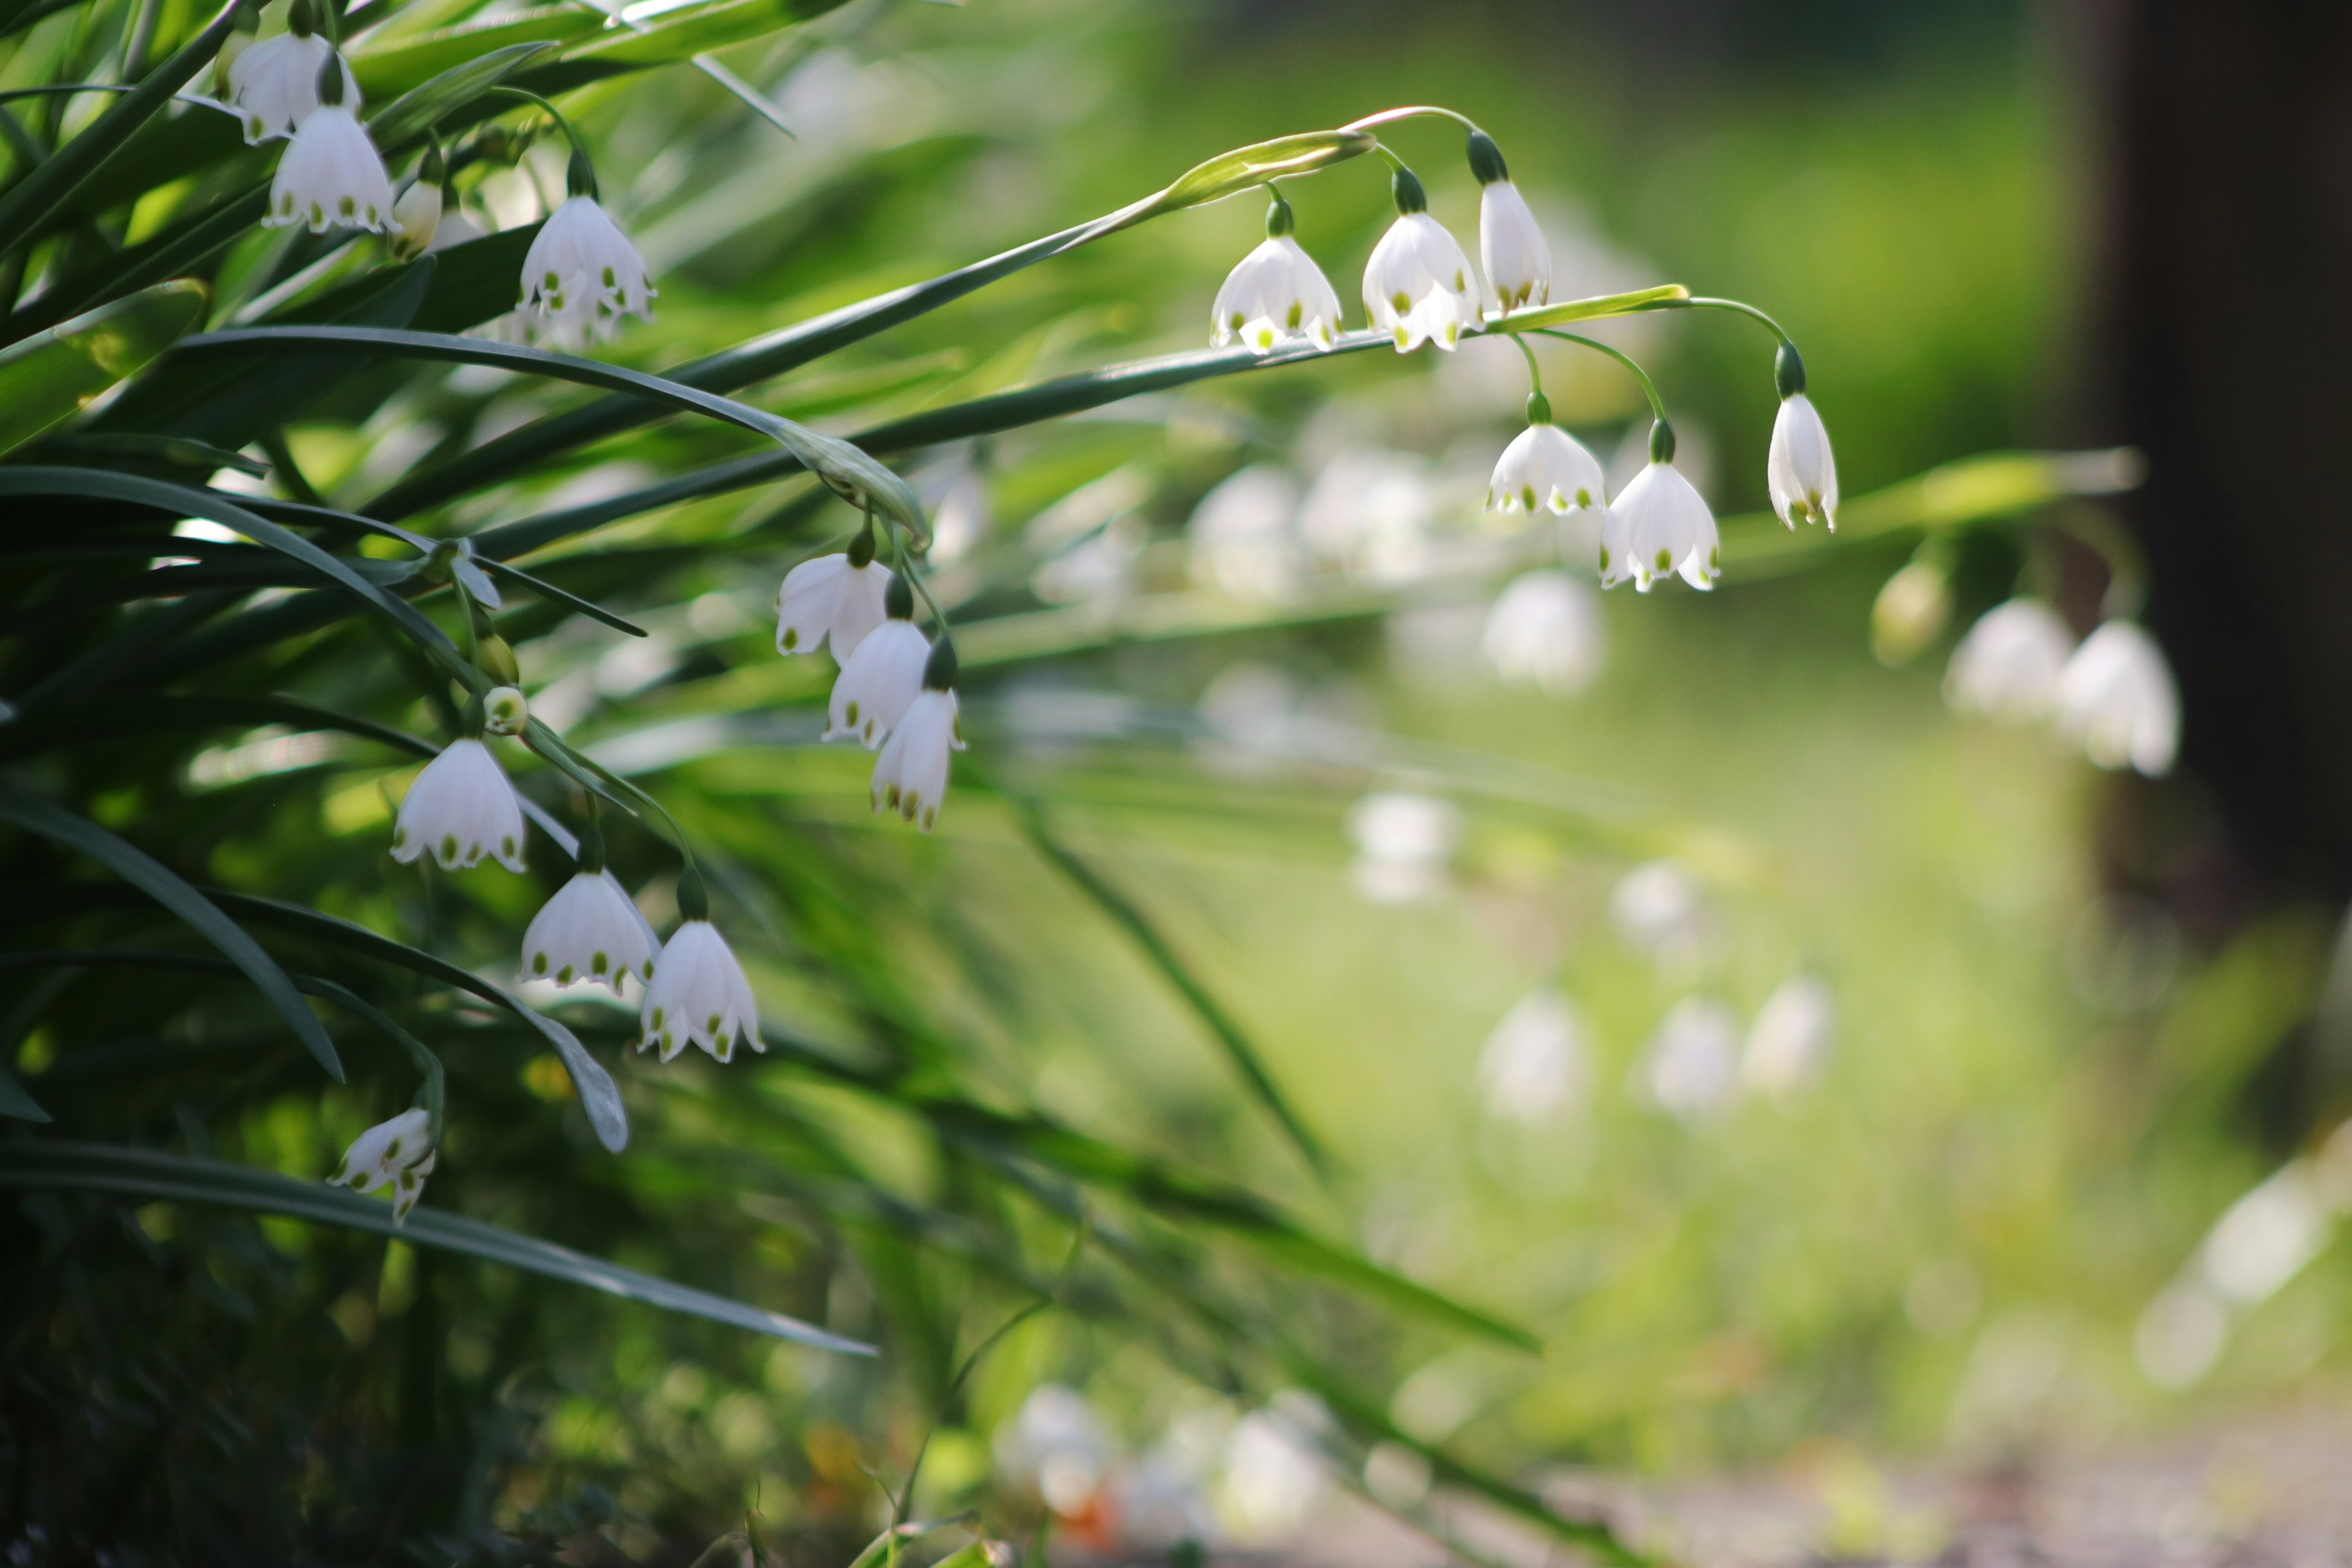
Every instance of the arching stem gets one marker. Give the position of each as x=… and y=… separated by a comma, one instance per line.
x=1410, y=111
x=1649, y=387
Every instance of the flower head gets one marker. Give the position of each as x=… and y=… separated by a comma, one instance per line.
x=1545, y=630
x=1691, y=1068
x=1417, y=285
x=1545, y=466
x=461, y=807
x=1510, y=242
x=582, y=275
x=2117, y=701
x=589, y=933
x=838, y=596
x=1278, y=293
x=2007, y=668
x=1789, y=1042
x=274, y=85
x=1660, y=526
x=394, y=1153
x=505, y=711
x=330, y=176
x=881, y=680
x=699, y=993
x=1534, y=1061
x=1800, y=472
x=910, y=777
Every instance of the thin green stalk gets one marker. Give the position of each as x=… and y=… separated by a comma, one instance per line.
x=1737, y=306
x=1649, y=387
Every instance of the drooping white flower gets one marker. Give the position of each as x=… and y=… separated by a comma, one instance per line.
x=1405, y=845
x=699, y=993
x=274, y=85
x=837, y=597
x=910, y=777
x=505, y=711
x=1545, y=631
x=1545, y=466
x=461, y=807
x=1510, y=242
x=416, y=219
x=878, y=683
x=1418, y=286
x=1789, y=1042
x=582, y=275
x=1801, y=472
x=2117, y=700
x=1534, y=1061
x=588, y=934
x=1691, y=1067
x=330, y=176
x=2007, y=668
x=1661, y=911
x=392, y=1153
x=1276, y=294
x=1660, y=525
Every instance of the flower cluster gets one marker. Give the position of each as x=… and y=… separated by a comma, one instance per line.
x=2112, y=697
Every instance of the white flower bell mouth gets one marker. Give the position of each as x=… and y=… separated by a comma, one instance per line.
x=1545, y=467
x=1418, y=286
x=1277, y=295
x=699, y=992
x=330, y=176
x=397, y=1154
x=2007, y=669
x=581, y=274
x=590, y=932
x=838, y=598
x=1660, y=526
x=2117, y=700
x=461, y=807
x=910, y=777
x=881, y=680
x=273, y=84
x=1800, y=471
x=1511, y=241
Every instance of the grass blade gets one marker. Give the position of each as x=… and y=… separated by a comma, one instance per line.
x=50, y=376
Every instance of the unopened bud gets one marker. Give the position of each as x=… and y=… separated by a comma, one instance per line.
x=506, y=711
x=1911, y=612
x=498, y=660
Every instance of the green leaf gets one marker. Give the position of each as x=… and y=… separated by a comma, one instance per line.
x=682, y=34
x=452, y=88
x=1229, y=174
x=179, y=450
x=154, y=712
x=52, y=375
x=15, y=1102
x=163, y=885
x=155, y=1175
x=412, y=62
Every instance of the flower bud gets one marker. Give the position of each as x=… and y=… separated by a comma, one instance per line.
x=505, y=711
x=1911, y=612
x=499, y=660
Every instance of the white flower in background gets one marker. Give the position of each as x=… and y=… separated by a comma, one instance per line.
x=1510, y=242
x=393, y=1154
x=1057, y=1443
x=1659, y=526
x=1276, y=294
x=880, y=681
x=456, y=228
x=1242, y=536
x=2008, y=666
x=841, y=597
x=960, y=515
x=1789, y=1042
x=1545, y=630
x=1690, y=1068
x=589, y=933
x=416, y=219
x=1912, y=609
x=1274, y=1475
x=1800, y=472
x=2117, y=700
x=461, y=807
x=1545, y=466
x=1662, y=912
x=1371, y=512
x=699, y=993
x=1404, y=844
x=506, y=711
x=1417, y=286
x=581, y=274
x=274, y=85
x=330, y=176
x=1533, y=1064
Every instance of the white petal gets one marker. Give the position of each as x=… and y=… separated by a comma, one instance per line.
x=911, y=774
x=460, y=808
x=875, y=688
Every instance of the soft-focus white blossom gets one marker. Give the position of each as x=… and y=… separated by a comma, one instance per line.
x=1662, y=912
x=1511, y=244
x=1242, y=536
x=394, y=1154
x=1275, y=1479
x=330, y=176
x=461, y=807
x=582, y=275
x=1690, y=1069
x=273, y=85
x=910, y=777
x=1404, y=844
x=1057, y=1444
x=2117, y=700
x=1371, y=510
x=1545, y=630
x=2008, y=666
x=1277, y=295
x=830, y=598
x=1545, y=466
x=1533, y=1064
x=588, y=934
x=416, y=219
x=1659, y=526
x=960, y=515
x=1788, y=1044
x=699, y=993
x=877, y=683
x=1800, y=472
x=1418, y=286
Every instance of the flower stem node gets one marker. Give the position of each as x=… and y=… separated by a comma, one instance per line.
x=582, y=275
x=1800, y=471
x=398, y=1154
x=1417, y=285
x=837, y=597
x=590, y=933
x=505, y=711
x=1660, y=526
x=1787, y=372
x=1545, y=467
x=1277, y=295
x=699, y=992
x=461, y=808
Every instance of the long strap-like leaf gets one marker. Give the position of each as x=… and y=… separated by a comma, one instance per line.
x=167, y=888
x=177, y=1178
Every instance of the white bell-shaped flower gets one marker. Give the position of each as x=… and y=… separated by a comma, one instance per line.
x=393, y=1154
x=582, y=275
x=1691, y=1068
x=1545, y=467
x=1789, y=1042
x=1660, y=525
x=589, y=933
x=1545, y=631
x=2117, y=701
x=461, y=807
x=1276, y=294
x=2007, y=668
x=1533, y=1064
x=330, y=176
x=274, y=84
x=910, y=777
x=1511, y=241
x=879, y=682
x=1418, y=286
x=416, y=219
x=699, y=993
x=1801, y=473
x=838, y=597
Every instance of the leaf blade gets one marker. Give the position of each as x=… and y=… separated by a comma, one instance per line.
x=49, y=377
